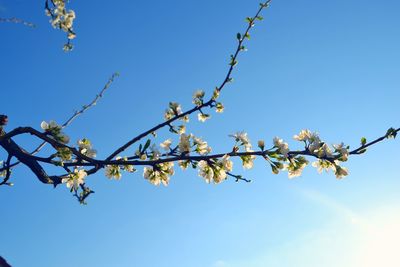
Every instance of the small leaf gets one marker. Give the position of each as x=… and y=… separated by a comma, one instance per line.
x=238, y=36
x=146, y=146
x=363, y=141
x=391, y=133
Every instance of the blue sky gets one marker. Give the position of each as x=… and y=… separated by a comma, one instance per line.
x=330, y=66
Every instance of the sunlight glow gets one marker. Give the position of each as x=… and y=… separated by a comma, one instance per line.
x=380, y=239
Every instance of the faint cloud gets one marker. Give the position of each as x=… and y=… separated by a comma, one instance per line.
x=331, y=204
x=220, y=263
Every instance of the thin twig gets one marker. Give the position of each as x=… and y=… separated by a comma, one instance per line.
x=75, y=115
x=84, y=108
x=209, y=103
x=18, y=21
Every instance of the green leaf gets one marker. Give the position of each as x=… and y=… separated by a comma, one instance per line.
x=233, y=61
x=146, y=146
x=273, y=154
x=363, y=141
x=391, y=133
x=238, y=36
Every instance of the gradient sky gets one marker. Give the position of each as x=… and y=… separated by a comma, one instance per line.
x=329, y=66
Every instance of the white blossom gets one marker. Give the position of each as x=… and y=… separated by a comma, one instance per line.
x=201, y=146
x=64, y=153
x=198, y=97
x=219, y=174
x=296, y=172
x=159, y=174
x=322, y=165
x=75, y=179
x=175, y=107
x=113, y=172
x=205, y=171
x=155, y=153
x=173, y=110
x=282, y=147
x=62, y=19
x=181, y=129
x=85, y=147
x=55, y=131
x=226, y=163
x=342, y=150
x=296, y=166
x=203, y=117
x=248, y=160
x=340, y=172
x=128, y=168
x=304, y=135
x=184, y=143
x=184, y=164
x=166, y=145
x=185, y=118
x=323, y=151
x=242, y=138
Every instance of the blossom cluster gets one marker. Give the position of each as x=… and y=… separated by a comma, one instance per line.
x=190, y=143
x=55, y=131
x=329, y=158
x=63, y=19
x=175, y=109
x=159, y=173
x=215, y=170
x=85, y=148
x=75, y=179
x=115, y=171
x=212, y=169
x=243, y=141
x=280, y=157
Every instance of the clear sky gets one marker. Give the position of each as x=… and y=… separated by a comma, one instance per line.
x=329, y=66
